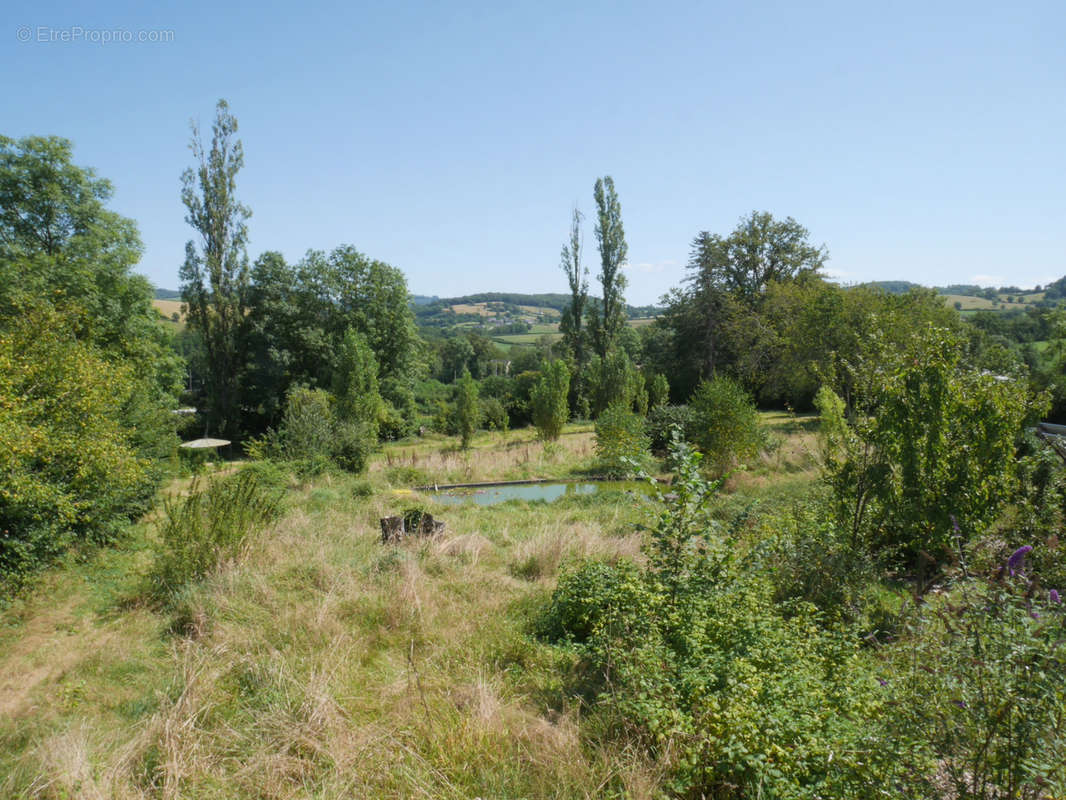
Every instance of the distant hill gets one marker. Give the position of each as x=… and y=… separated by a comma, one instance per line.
x=892, y=287
x=167, y=294
x=555, y=301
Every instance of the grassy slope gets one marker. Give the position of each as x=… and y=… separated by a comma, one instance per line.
x=325, y=665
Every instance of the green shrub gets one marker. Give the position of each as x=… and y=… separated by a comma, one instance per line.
x=71, y=470
x=550, y=400
x=615, y=382
x=622, y=447
x=467, y=409
x=308, y=428
x=980, y=675
x=662, y=419
x=734, y=694
x=210, y=525
x=353, y=443
x=809, y=558
x=658, y=391
x=269, y=474
x=362, y=490
x=927, y=456
x=725, y=423
x=355, y=386
x=312, y=439
x=586, y=596
x=494, y=414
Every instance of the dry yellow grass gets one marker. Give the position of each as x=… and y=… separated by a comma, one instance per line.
x=169, y=307
x=499, y=456
x=323, y=664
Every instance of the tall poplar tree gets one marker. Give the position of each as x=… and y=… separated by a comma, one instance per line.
x=575, y=334
x=611, y=239
x=215, y=275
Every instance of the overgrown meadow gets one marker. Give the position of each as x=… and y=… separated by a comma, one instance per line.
x=724, y=640
x=821, y=558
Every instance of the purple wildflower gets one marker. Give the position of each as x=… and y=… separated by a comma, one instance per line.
x=882, y=681
x=959, y=703
x=1017, y=558
x=954, y=522
x=1053, y=596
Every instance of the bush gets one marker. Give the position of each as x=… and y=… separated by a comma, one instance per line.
x=467, y=409
x=353, y=442
x=208, y=526
x=71, y=470
x=725, y=423
x=928, y=454
x=662, y=419
x=312, y=439
x=981, y=677
x=308, y=427
x=691, y=656
x=549, y=400
x=622, y=447
x=658, y=391
x=494, y=414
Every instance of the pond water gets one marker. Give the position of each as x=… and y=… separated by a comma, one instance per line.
x=530, y=492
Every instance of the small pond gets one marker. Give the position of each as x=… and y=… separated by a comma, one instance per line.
x=530, y=492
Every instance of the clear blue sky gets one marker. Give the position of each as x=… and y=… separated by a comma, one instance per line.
x=921, y=141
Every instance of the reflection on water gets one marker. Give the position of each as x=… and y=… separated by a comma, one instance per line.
x=491, y=495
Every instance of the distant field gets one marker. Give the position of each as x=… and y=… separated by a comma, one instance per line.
x=472, y=308
x=641, y=322
x=541, y=311
x=526, y=338
x=971, y=303
x=169, y=307
x=544, y=328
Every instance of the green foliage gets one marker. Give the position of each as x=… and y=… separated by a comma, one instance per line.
x=550, y=400
x=658, y=391
x=616, y=381
x=312, y=439
x=735, y=695
x=467, y=410
x=71, y=470
x=662, y=420
x=355, y=385
x=572, y=324
x=353, y=442
x=308, y=428
x=622, y=446
x=725, y=422
x=208, y=526
x=299, y=322
x=981, y=674
x=607, y=321
x=760, y=251
x=930, y=448
x=493, y=413
x=812, y=560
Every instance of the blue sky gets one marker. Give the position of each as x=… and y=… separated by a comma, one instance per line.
x=918, y=141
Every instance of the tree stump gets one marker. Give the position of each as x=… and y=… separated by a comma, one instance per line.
x=392, y=529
